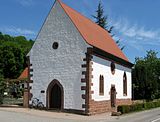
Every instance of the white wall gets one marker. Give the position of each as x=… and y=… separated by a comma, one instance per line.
x=102, y=67
x=62, y=64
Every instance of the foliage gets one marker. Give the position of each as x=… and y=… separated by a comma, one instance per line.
x=146, y=77
x=101, y=20
x=138, y=107
x=11, y=59
x=2, y=88
x=13, y=51
x=15, y=89
x=130, y=108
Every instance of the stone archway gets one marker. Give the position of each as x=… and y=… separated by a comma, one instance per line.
x=55, y=96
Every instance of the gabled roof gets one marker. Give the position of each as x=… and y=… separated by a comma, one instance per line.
x=93, y=34
x=24, y=74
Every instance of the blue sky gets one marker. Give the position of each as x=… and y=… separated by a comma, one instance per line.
x=136, y=22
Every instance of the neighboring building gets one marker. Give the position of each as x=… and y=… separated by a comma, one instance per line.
x=23, y=78
x=76, y=66
x=24, y=74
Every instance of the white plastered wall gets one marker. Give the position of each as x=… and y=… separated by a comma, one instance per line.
x=62, y=64
x=102, y=67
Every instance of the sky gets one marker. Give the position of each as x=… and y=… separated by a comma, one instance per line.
x=136, y=22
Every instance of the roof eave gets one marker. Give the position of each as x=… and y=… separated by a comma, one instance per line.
x=112, y=57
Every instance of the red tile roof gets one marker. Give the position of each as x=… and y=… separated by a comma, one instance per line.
x=93, y=34
x=24, y=74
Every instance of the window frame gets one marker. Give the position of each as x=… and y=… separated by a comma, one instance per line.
x=113, y=67
x=101, y=85
x=124, y=84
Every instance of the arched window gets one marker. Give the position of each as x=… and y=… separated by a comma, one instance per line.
x=124, y=84
x=113, y=68
x=101, y=85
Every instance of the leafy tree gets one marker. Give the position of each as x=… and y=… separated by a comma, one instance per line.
x=146, y=77
x=12, y=61
x=13, y=51
x=101, y=20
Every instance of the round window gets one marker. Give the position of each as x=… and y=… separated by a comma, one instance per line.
x=113, y=68
x=55, y=45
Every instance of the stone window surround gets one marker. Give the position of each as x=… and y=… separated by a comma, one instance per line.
x=124, y=84
x=101, y=85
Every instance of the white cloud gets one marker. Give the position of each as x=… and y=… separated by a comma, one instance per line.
x=18, y=31
x=25, y=2
x=138, y=34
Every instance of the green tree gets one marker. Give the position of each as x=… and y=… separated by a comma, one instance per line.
x=13, y=51
x=101, y=20
x=146, y=77
x=12, y=60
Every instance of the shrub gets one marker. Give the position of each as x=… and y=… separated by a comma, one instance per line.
x=130, y=108
x=149, y=105
x=138, y=107
x=2, y=88
x=154, y=104
x=1, y=99
x=123, y=109
x=157, y=104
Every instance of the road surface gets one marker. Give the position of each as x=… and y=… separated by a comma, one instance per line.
x=27, y=115
x=145, y=116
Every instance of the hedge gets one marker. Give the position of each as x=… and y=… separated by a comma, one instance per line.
x=1, y=98
x=138, y=107
x=2, y=88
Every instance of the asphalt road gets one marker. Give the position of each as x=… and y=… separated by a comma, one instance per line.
x=145, y=116
x=26, y=115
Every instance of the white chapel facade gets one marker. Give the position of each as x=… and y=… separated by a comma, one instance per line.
x=75, y=65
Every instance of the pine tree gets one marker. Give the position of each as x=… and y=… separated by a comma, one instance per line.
x=101, y=20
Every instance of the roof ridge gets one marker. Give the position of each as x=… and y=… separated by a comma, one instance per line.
x=83, y=16
x=93, y=33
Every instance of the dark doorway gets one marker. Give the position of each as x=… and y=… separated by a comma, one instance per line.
x=55, y=95
x=113, y=96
